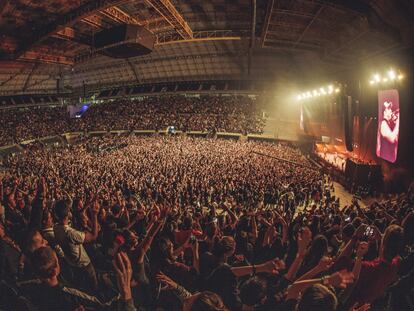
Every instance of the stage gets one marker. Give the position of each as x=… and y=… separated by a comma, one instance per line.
x=356, y=175
x=335, y=159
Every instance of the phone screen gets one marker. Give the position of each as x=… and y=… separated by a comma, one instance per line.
x=369, y=231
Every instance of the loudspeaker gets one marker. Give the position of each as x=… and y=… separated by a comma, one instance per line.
x=348, y=120
x=124, y=41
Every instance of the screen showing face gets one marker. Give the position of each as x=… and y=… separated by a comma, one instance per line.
x=388, y=125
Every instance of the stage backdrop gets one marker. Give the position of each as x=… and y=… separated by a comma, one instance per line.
x=324, y=116
x=388, y=125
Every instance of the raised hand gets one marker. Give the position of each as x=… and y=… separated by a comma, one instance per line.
x=271, y=266
x=123, y=269
x=42, y=187
x=164, y=211
x=166, y=281
x=364, y=307
x=341, y=279
x=362, y=249
x=95, y=207
x=325, y=263
x=304, y=238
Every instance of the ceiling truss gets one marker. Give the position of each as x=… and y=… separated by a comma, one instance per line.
x=166, y=9
x=313, y=29
x=92, y=14
x=165, y=39
x=120, y=16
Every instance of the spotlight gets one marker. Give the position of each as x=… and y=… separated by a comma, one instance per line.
x=299, y=97
x=385, y=80
x=323, y=91
x=400, y=77
x=391, y=74
x=337, y=90
x=377, y=77
x=315, y=92
x=371, y=82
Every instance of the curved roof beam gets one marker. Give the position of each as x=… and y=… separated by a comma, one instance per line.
x=166, y=9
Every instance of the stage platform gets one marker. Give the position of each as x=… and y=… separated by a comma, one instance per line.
x=337, y=160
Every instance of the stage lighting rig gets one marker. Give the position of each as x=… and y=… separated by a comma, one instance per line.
x=321, y=91
x=391, y=76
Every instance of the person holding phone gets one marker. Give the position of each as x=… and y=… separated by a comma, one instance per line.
x=378, y=273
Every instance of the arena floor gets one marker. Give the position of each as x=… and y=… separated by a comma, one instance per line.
x=345, y=196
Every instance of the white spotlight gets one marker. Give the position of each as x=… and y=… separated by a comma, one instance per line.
x=400, y=77
x=385, y=80
x=337, y=90
x=392, y=75
x=371, y=82
x=299, y=97
x=377, y=77
x=323, y=91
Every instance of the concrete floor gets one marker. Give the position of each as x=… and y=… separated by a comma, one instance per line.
x=345, y=198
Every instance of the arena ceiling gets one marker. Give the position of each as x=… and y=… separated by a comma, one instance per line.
x=45, y=40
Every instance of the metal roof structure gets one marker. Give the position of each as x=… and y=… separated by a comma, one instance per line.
x=45, y=42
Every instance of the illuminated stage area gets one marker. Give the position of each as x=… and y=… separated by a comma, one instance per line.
x=334, y=159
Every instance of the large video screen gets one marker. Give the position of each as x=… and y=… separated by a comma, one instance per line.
x=388, y=125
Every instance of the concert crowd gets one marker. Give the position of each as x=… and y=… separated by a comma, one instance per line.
x=178, y=223
x=237, y=114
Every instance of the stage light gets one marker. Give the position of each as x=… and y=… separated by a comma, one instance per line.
x=391, y=74
x=322, y=91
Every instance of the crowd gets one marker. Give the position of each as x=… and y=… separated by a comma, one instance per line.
x=17, y=125
x=177, y=223
x=207, y=113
